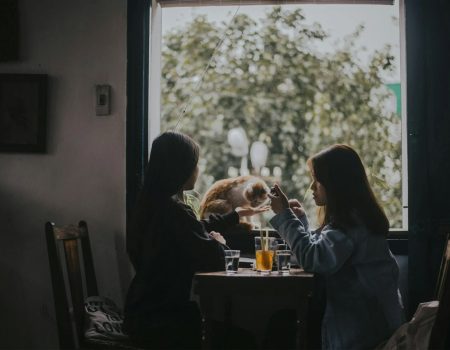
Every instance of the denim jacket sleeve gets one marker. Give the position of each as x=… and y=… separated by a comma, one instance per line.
x=324, y=253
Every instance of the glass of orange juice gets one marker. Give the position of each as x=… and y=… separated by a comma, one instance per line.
x=264, y=252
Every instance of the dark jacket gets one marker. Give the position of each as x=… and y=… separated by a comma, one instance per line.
x=159, y=294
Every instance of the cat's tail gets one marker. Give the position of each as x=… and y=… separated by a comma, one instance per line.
x=218, y=206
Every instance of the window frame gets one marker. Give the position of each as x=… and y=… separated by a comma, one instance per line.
x=141, y=132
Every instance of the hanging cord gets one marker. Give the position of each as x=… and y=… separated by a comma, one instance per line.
x=182, y=112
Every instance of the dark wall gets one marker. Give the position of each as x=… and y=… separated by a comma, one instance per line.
x=428, y=91
x=78, y=44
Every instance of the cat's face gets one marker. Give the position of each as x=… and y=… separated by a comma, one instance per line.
x=257, y=194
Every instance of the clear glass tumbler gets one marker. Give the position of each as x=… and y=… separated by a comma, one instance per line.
x=283, y=259
x=232, y=261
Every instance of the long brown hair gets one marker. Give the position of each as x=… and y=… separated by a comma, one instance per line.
x=173, y=159
x=349, y=195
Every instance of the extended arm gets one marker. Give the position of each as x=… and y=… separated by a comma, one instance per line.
x=217, y=222
x=325, y=253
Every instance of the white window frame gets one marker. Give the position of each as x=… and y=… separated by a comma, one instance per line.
x=155, y=70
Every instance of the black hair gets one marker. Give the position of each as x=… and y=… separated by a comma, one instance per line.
x=173, y=159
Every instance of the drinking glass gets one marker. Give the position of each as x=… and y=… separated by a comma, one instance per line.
x=280, y=245
x=264, y=252
x=232, y=261
x=283, y=259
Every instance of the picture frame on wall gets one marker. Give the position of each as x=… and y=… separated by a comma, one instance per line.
x=23, y=112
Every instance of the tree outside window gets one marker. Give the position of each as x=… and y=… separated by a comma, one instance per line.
x=269, y=78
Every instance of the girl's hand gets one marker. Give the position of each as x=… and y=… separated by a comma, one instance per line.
x=279, y=201
x=218, y=237
x=249, y=211
x=296, y=207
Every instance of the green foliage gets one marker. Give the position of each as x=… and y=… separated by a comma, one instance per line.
x=191, y=200
x=269, y=79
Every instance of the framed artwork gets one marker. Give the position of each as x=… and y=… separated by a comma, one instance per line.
x=23, y=112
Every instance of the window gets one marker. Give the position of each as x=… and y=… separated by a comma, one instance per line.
x=261, y=88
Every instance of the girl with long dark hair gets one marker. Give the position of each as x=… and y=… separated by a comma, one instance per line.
x=167, y=245
x=349, y=250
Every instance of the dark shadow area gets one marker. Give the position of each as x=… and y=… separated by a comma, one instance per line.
x=123, y=264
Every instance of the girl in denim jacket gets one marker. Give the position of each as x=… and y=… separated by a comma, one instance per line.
x=349, y=250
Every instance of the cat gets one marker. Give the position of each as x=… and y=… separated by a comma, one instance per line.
x=227, y=194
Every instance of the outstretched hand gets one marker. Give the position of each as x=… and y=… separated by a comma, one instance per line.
x=279, y=201
x=249, y=211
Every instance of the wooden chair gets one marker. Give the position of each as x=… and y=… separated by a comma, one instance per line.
x=69, y=250
x=441, y=328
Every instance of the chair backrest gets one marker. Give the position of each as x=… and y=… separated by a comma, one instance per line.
x=440, y=331
x=73, y=278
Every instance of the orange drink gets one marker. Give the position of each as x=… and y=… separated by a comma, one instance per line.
x=264, y=253
x=264, y=260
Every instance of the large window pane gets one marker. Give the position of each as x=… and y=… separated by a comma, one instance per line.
x=296, y=78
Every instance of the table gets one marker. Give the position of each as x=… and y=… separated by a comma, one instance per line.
x=237, y=299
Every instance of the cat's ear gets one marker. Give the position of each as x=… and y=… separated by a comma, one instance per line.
x=264, y=186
